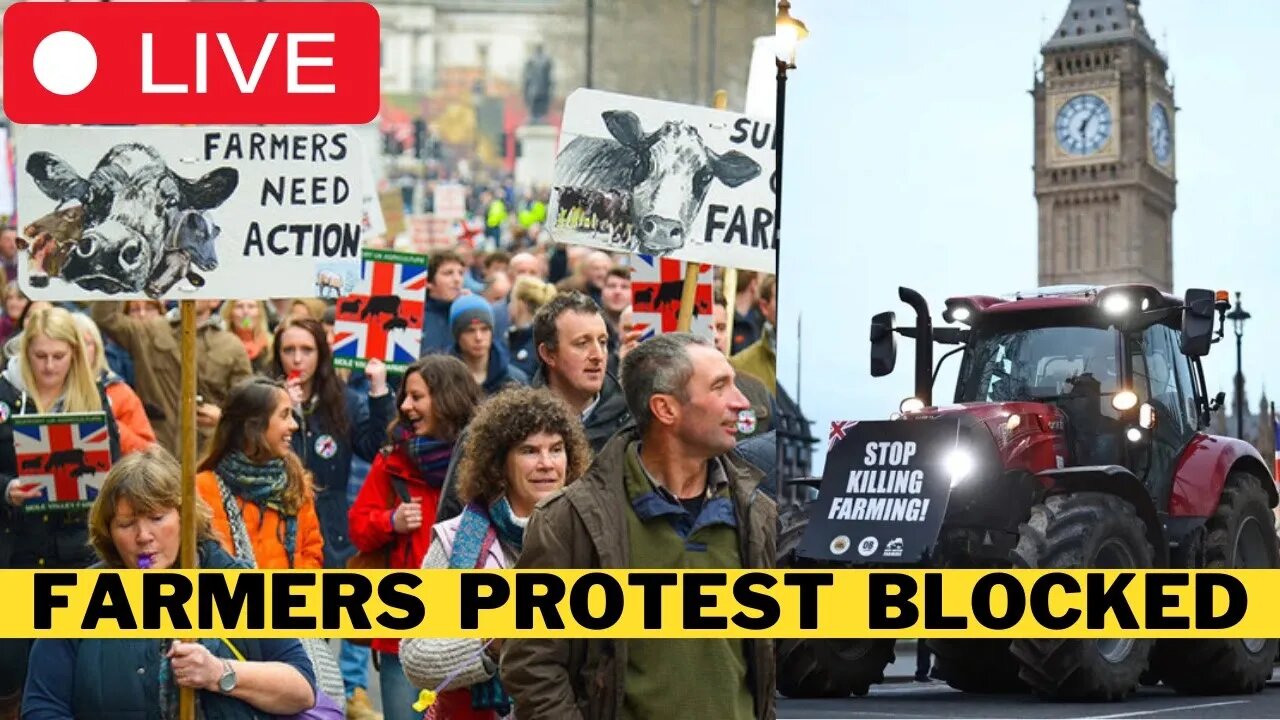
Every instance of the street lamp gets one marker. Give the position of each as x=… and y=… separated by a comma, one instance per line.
x=1238, y=316
x=788, y=32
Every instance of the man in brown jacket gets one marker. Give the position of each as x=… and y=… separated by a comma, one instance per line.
x=155, y=345
x=670, y=492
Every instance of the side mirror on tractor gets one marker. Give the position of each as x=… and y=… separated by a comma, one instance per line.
x=884, y=346
x=1197, y=322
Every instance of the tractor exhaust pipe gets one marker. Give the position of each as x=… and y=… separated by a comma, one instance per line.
x=924, y=344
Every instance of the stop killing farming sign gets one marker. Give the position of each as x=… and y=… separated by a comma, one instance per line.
x=119, y=213
x=659, y=178
x=884, y=492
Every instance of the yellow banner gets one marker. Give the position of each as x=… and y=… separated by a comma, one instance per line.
x=631, y=604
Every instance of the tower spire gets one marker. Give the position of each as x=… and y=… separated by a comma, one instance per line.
x=1093, y=22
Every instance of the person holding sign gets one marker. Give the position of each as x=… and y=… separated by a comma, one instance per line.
x=471, y=322
x=49, y=374
x=669, y=493
x=263, y=506
x=392, y=516
x=336, y=423
x=523, y=445
x=135, y=524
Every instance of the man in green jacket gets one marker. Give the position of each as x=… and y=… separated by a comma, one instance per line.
x=670, y=492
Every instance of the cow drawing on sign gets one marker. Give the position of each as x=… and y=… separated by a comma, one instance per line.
x=644, y=296
x=61, y=458
x=665, y=173
x=50, y=239
x=349, y=307
x=190, y=242
x=329, y=284
x=142, y=221
x=31, y=464
x=668, y=292
x=381, y=304
x=396, y=323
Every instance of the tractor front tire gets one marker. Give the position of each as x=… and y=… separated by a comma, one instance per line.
x=1082, y=530
x=978, y=666
x=826, y=668
x=1240, y=534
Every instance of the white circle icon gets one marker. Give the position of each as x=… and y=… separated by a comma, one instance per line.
x=65, y=63
x=868, y=546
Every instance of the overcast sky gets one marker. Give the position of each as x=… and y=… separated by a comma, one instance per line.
x=909, y=141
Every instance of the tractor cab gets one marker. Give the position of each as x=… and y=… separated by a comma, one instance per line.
x=1113, y=370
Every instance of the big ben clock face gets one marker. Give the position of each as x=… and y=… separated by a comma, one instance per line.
x=1161, y=138
x=1083, y=124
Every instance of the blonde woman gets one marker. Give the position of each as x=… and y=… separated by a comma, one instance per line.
x=527, y=296
x=48, y=373
x=136, y=432
x=247, y=319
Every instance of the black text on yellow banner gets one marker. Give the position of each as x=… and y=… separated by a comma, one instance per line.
x=627, y=604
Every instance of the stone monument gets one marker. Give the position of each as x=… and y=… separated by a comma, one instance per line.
x=536, y=159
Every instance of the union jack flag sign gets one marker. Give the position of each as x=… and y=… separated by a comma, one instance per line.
x=65, y=456
x=382, y=317
x=656, y=288
x=838, y=430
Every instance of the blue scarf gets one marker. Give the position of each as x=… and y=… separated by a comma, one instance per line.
x=479, y=528
x=264, y=485
x=431, y=456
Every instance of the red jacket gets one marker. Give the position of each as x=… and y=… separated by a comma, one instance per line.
x=370, y=518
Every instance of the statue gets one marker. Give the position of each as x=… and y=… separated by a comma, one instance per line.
x=537, y=85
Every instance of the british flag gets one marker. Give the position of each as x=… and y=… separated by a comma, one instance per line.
x=382, y=318
x=838, y=430
x=656, y=288
x=65, y=456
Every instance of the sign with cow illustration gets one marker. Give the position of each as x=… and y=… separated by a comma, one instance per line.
x=656, y=288
x=659, y=178
x=382, y=317
x=66, y=457
x=186, y=212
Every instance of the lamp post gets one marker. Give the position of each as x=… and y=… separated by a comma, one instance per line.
x=788, y=32
x=1238, y=316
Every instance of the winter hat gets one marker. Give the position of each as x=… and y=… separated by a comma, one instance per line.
x=467, y=309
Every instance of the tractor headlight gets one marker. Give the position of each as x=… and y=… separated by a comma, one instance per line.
x=910, y=405
x=959, y=464
x=1116, y=304
x=1147, y=416
x=957, y=312
x=1134, y=435
x=1124, y=400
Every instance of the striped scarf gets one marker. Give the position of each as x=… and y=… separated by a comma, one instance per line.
x=431, y=456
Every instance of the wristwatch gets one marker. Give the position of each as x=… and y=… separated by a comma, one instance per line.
x=227, y=682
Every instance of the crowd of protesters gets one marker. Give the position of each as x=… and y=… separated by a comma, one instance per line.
x=533, y=390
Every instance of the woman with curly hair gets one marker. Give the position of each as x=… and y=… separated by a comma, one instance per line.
x=523, y=445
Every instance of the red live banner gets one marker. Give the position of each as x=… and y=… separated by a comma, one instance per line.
x=223, y=63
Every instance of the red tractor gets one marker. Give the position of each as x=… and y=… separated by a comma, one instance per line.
x=1081, y=441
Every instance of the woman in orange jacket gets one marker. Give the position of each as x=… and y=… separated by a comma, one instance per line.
x=264, y=509
x=131, y=417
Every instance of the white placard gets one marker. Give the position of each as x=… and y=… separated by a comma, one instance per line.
x=187, y=212
x=659, y=178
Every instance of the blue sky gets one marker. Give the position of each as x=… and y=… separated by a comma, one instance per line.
x=909, y=141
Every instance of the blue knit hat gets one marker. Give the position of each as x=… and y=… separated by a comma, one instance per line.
x=467, y=309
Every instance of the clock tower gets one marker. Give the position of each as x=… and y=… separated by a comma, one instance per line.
x=1104, y=150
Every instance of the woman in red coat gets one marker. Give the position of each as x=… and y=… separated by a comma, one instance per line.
x=396, y=506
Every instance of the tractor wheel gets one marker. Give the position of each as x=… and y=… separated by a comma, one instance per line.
x=980, y=666
x=1240, y=534
x=826, y=668
x=1078, y=531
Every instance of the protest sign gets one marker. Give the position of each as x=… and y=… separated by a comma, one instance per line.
x=382, y=317
x=656, y=286
x=185, y=212
x=884, y=491
x=65, y=456
x=680, y=181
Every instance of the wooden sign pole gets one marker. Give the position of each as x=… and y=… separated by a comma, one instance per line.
x=729, y=287
x=690, y=291
x=187, y=696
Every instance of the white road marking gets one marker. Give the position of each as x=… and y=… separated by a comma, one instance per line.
x=1176, y=708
